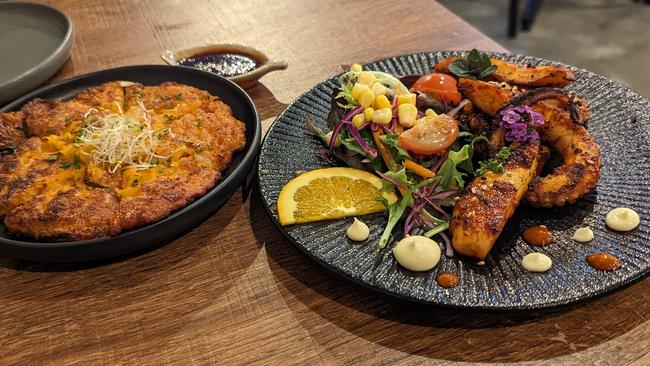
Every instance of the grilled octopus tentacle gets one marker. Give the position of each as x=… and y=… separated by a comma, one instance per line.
x=573, y=104
x=581, y=169
x=484, y=208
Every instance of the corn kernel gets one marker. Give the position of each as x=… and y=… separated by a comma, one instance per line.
x=407, y=114
x=359, y=120
x=369, y=112
x=366, y=98
x=366, y=77
x=358, y=89
x=406, y=98
x=430, y=112
x=328, y=138
x=378, y=88
x=383, y=116
x=356, y=68
x=381, y=102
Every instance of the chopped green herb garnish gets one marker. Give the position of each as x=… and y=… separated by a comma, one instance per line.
x=494, y=164
x=76, y=163
x=179, y=96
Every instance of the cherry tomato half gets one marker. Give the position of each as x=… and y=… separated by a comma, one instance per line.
x=432, y=135
x=439, y=86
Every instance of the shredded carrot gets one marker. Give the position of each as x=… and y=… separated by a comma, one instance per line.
x=418, y=169
x=385, y=155
x=383, y=150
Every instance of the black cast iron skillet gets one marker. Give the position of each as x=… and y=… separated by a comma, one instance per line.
x=178, y=222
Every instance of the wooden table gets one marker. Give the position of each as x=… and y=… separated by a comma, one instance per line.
x=234, y=291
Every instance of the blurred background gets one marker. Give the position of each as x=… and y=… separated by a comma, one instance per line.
x=608, y=37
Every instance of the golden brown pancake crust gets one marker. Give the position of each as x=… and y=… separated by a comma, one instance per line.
x=51, y=190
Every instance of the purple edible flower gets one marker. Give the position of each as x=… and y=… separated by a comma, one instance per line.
x=518, y=122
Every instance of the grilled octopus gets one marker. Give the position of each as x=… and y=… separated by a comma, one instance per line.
x=531, y=76
x=489, y=201
x=581, y=169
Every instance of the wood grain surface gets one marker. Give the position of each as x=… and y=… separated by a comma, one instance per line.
x=233, y=291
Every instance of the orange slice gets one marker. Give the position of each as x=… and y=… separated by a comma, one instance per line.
x=330, y=193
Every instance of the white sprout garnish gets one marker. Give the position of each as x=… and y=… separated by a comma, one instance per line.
x=121, y=141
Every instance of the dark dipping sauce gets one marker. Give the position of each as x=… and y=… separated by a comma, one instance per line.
x=538, y=236
x=447, y=280
x=603, y=261
x=223, y=64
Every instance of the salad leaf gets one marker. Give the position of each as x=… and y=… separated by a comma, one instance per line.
x=336, y=112
x=399, y=177
x=398, y=152
x=450, y=176
x=345, y=91
x=432, y=218
x=360, y=156
x=351, y=159
x=476, y=65
x=409, y=80
x=349, y=156
x=459, y=162
x=351, y=143
x=395, y=212
x=314, y=130
x=391, y=82
x=438, y=229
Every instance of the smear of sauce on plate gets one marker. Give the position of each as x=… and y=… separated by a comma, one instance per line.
x=538, y=236
x=224, y=64
x=447, y=280
x=603, y=261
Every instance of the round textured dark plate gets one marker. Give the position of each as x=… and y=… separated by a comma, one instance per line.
x=501, y=283
x=178, y=222
x=36, y=40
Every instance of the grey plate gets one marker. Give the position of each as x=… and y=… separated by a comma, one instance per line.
x=501, y=283
x=35, y=41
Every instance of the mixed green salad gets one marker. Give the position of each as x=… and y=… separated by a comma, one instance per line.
x=411, y=132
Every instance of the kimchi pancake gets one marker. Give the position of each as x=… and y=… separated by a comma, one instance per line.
x=117, y=156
